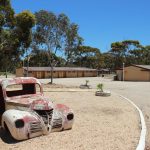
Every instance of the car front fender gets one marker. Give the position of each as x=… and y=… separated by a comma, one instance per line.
x=19, y=124
x=67, y=115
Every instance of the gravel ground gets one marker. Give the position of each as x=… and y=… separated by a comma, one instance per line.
x=138, y=92
x=101, y=123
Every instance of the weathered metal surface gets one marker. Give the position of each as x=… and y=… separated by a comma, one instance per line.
x=41, y=104
x=31, y=114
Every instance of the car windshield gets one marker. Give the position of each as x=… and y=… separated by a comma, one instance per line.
x=22, y=89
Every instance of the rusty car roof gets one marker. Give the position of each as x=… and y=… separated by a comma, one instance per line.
x=19, y=80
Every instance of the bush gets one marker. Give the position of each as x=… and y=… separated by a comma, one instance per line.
x=100, y=87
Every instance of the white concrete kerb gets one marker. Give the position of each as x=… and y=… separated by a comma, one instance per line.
x=141, y=144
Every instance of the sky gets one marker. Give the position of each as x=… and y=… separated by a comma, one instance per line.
x=101, y=22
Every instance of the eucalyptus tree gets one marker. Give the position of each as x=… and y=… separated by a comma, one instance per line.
x=136, y=56
x=14, y=33
x=73, y=41
x=55, y=35
x=147, y=55
x=118, y=50
x=6, y=22
x=88, y=57
x=49, y=34
x=41, y=59
x=49, y=31
x=108, y=61
x=24, y=23
x=130, y=45
x=122, y=51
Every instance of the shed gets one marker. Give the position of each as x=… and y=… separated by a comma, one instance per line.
x=58, y=72
x=134, y=73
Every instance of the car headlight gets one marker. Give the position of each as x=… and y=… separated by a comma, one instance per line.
x=19, y=123
x=70, y=116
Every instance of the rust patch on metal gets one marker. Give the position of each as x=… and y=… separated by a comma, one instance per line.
x=36, y=114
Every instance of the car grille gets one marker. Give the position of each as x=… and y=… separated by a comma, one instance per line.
x=57, y=123
x=35, y=127
x=46, y=115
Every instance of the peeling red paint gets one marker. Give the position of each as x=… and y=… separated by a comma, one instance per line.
x=62, y=107
x=37, y=111
x=41, y=104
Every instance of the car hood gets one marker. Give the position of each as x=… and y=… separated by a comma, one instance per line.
x=31, y=101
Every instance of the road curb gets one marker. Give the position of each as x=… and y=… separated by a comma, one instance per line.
x=69, y=90
x=141, y=144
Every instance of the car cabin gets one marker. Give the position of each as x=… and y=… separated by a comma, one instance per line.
x=15, y=90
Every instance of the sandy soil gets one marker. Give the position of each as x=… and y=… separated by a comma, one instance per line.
x=138, y=92
x=101, y=123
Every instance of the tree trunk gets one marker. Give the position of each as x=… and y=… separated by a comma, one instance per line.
x=27, y=64
x=51, y=75
x=6, y=72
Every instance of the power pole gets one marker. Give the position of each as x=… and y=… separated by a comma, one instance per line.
x=123, y=71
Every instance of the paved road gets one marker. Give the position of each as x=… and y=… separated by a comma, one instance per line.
x=138, y=92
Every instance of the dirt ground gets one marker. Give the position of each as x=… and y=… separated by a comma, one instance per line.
x=101, y=123
x=138, y=92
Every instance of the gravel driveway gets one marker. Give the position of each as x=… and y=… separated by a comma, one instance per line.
x=138, y=92
x=101, y=123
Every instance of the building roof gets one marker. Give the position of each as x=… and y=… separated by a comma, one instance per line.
x=58, y=69
x=146, y=67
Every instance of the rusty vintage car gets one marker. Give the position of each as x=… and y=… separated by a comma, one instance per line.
x=26, y=113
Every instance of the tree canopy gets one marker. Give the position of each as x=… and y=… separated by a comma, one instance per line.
x=128, y=52
x=15, y=34
x=88, y=57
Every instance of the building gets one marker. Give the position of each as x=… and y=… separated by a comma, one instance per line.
x=119, y=74
x=103, y=71
x=58, y=72
x=134, y=73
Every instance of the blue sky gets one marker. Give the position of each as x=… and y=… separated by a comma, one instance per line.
x=101, y=22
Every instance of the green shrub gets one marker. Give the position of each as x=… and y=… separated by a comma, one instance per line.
x=86, y=82
x=100, y=87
